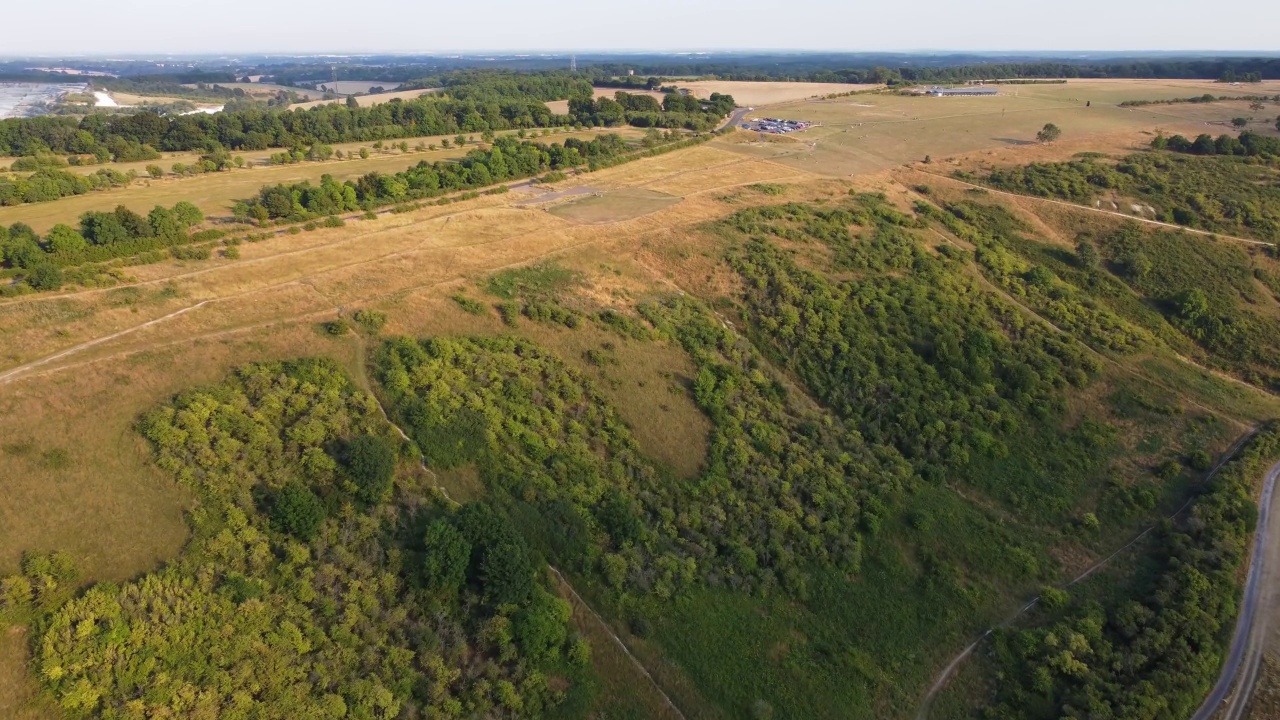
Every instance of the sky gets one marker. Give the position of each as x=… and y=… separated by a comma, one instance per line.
x=135, y=27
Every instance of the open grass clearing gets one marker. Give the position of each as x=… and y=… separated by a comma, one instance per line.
x=855, y=140
x=878, y=131
x=330, y=267
x=215, y=193
x=613, y=206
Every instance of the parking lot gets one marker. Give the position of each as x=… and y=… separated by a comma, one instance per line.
x=776, y=126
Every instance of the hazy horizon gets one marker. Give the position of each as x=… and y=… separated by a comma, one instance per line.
x=152, y=27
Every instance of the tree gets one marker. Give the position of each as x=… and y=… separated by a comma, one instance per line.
x=352, y=102
x=1239, y=123
x=1049, y=133
x=364, y=153
x=371, y=462
x=460, y=140
x=541, y=626
x=155, y=171
x=298, y=511
x=447, y=555
x=188, y=214
x=64, y=240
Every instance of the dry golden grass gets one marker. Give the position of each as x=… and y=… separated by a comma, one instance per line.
x=747, y=93
x=561, y=107
x=215, y=193
x=868, y=133
x=102, y=500
x=262, y=89
x=131, y=99
x=613, y=206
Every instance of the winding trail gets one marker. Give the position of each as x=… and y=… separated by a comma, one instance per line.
x=945, y=675
x=10, y=375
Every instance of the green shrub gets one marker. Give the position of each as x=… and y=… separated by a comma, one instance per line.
x=371, y=463
x=45, y=276
x=336, y=328
x=475, y=307
x=370, y=320
x=510, y=313
x=297, y=511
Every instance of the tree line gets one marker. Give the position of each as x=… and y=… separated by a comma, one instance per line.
x=258, y=128
x=1247, y=144
x=507, y=159
x=99, y=236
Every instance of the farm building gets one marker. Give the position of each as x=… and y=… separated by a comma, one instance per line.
x=949, y=92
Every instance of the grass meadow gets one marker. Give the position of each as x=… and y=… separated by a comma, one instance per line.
x=78, y=367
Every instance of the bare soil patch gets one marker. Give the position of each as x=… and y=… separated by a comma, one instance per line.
x=614, y=206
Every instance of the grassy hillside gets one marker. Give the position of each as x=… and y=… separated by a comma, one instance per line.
x=897, y=423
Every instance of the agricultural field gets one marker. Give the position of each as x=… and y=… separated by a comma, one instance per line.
x=561, y=107
x=369, y=100
x=351, y=87
x=262, y=89
x=794, y=420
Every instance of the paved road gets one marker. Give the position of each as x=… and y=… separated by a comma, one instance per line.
x=1247, y=645
x=735, y=119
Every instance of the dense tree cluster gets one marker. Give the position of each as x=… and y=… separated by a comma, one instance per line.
x=997, y=234
x=490, y=85
x=675, y=110
x=1207, y=291
x=1236, y=195
x=915, y=353
x=258, y=129
x=897, y=68
x=1154, y=656
x=299, y=595
x=544, y=437
x=100, y=236
x=48, y=184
